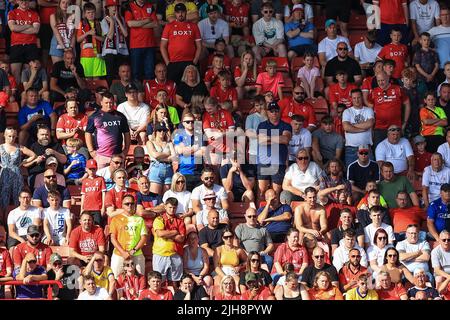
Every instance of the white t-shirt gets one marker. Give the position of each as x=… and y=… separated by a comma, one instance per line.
x=434, y=180
x=100, y=294
x=340, y=256
x=268, y=31
x=370, y=230
x=439, y=87
x=366, y=55
x=56, y=222
x=202, y=216
x=444, y=150
x=424, y=14
x=405, y=246
x=397, y=154
x=302, y=180
x=440, y=258
x=309, y=14
x=298, y=141
x=329, y=46
x=136, y=116
x=221, y=30
x=24, y=218
x=199, y=192
x=375, y=253
x=308, y=74
x=184, y=200
x=354, y=116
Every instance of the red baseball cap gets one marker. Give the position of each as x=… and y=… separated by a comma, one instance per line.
x=111, y=3
x=91, y=164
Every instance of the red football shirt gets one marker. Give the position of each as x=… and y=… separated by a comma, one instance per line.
x=163, y=295
x=141, y=37
x=45, y=13
x=226, y=61
x=152, y=87
x=5, y=261
x=67, y=123
x=86, y=243
x=398, y=53
x=220, y=120
x=250, y=80
x=237, y=14
x=422, y=160
x=181, y=37
x=211, y=77
x=341, y=95
x=401, y=218
x=388, y=106
x=42, y=252
x=92, y=190
x=393, y=293
x=289, y=107
x=391, y=11
x=21, y=17
x=230, y=94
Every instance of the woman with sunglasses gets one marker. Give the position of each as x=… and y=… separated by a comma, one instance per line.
x=323, y=289
x=162, y=153
x=229, y=259
x=397, y=271
x=196, y=261
x=253, y=265
x=291, y=289
x=376, y=252
x=227, y=290
x=130, y=283
x=178, y=190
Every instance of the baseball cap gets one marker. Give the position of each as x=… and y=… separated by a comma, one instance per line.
x=212, y=8
x=180, y=7
x=297, y=7
x=273, y=106
x=329, y=22
x=364, y=147
x=209, y=195
x=251, y=276
x=130, y=87
x=139, y=152
x=55, y=257
x=33, y=229
x=418, y=139
x=111, y=3
x=51, y=160
x=160, y=126
x=91, y=164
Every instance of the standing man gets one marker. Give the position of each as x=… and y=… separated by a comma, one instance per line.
x=181, y=44
x=141, y=19
x=128, y=236
x=111, y=131
x=440, y=35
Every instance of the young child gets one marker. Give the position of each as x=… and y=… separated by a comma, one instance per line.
x=395, y=51
x=271, y=80
x=339, y=93
x=93, y=191
x=426, y=61
x=74, y=169
x=220, y=45
x=301, y=138
x=89, y=35
x=57, y=222
x=211, y=74
x=12, y=81
x=422, y=157
x=35, y=76
x=224, y=91
x=162, y=98
x=308, y=74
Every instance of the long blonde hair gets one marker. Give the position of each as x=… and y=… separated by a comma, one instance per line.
x=184, y=77
x=250, y=52
x=175, y=177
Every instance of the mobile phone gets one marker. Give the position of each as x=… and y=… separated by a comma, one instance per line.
x=41, y=112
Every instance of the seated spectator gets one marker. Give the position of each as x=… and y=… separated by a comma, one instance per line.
x=342, y=61
x=228, y=290
x=438, y=213
x=366, y=52
x=32, y=245
x=397, y=271
x=426, y=61
x=333, y=181
x=155, y=291
x=114, y=196
x=328, y=46
x=373, y=198
x=310, y=242
x=376, y=250
x=405, y=215
x=444, y=149
x=35, y=77
x=433, y=120
x=420, y=285
x=340, y=92
x=326, y=143
x=211, y=236
x=149, y=204
x=308, y=75
x=289, y=252
x=392, y=184
x=301, y=138
x=346, y=222
x=106, y=173
x=219, y=49
x=291, y=289
x=255, y=289
x=257, y=5
x=208, y=177
x=323, y=289
x=29, y=271
x=237, y=16
x=245, y=74
x=139, y=166
x=201, y=218
x=434, y=176
x=318, y=264
x=178, y=191
x=57, y=221
x=190, y=84
x=422, y=157
x=189, y=290
x=160, y=116
x=75, y=167
x=65, y=274
x=363, y=170
x=440, y=257
x=161, y=82
x=362, y=291
x=92, y=291
x=388, y=290
x=224, y=91
x=352, y=270
x=376, y=213
x=118, y=87
x=196, y=261
x=85, y=240
x=130, y=282
x=300, y=33
x=101, y=273
x=341, y=254
x=211, y=75
x=269, y=34
x=271, y=80
x=396, y=51
x=40, y=195
x=296, y=105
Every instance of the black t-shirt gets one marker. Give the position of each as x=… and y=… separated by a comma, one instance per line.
x=310, y=273
x=247, y=169
x=445, y=107
x=349, y=65
x=197, y=294
x=213, y=237
x=39, y=150
x=263, y=276
x=65, y=77
x=363, y=217
x=69, y=279
x=360, y=175
x=3, y=79
x=337, y=234
x=186, y=92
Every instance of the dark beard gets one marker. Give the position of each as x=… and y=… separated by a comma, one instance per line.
x=299, y=100
x=53, y=187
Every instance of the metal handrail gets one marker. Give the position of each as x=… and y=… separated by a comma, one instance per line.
x=49, y=283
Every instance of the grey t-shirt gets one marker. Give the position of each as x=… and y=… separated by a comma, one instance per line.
x=440, y=258
x=253, y=239
x=328, y=143
x=41, y=76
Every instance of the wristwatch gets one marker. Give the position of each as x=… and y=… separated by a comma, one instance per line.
x=133, y=251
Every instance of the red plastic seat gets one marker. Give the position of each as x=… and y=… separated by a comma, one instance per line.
x=320, y=106
x=355, y=37
x=12, y=107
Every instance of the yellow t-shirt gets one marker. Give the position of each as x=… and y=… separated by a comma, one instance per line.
x=101, y=280
x=162, y=247
x=128, y=231
x=190, y=6
x=352, y=294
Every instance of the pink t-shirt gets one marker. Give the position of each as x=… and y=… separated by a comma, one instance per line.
x=270, y=84
x=308, y=74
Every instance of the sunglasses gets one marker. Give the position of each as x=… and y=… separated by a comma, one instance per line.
x=58, y=263
x=302, y=158
x=355, y=256
x=118, y=162
x=227, y=237
x=268, y=11
x=129, y=204
x=395, y=129
x=35, y=235
x=382, y=238
x=51, y=177
x=319, y=256
x=32, y=261
x=208, y=178
x=342, y=49
x=364, y=153
x=445, y=240
x=251, y=217
x=189, y=121
x=213, y=30
x=180, y=181
x=392, y=255
x=254, y=260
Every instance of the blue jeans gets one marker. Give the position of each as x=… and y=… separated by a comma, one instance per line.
x=160, y=173
x=142, y=60
x=267, y=259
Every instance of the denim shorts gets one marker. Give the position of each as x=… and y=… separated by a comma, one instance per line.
x=160, y=172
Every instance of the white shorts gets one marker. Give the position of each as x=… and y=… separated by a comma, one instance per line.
x=162, y=264
x=117, y=264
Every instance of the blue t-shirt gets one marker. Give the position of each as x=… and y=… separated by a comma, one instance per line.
x=78, y=170
x=278, y=226
x=298, y=40
x=265, y=155
x=439, y=212
x=41, y=193
x=186, y=163
x=26, y=113
x=146, y=200
x=31, y=291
